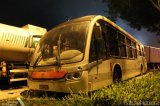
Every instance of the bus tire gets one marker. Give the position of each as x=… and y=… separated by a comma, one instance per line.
x=117, y=74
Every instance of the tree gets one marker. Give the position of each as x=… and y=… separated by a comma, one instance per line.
x=138, y=13
x=156, y=4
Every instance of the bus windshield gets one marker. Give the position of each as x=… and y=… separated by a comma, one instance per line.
x=71, y=46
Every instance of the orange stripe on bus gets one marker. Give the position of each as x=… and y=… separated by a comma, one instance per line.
x=47, y=74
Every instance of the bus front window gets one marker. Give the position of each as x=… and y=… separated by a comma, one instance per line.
x=71, y=37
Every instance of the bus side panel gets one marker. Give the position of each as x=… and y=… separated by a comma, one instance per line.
x=101, y=77
x=104, y=75
x=129, y=67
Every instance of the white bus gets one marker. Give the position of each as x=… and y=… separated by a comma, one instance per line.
x=85, y=54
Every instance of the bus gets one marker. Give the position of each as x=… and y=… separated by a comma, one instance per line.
x=83, y=55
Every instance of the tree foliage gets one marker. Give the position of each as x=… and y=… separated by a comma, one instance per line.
x=138, y=13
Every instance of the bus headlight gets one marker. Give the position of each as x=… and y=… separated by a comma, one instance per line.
x=76, y=75
x=71, y=76
x=68, y=76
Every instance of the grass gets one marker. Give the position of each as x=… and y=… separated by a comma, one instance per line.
x=141, y=90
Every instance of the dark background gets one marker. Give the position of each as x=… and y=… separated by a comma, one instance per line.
x=49, y=13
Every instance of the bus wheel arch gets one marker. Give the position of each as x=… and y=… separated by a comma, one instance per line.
x=117, y=73
x=141, y=69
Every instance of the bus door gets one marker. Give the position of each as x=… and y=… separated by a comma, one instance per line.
x=98, y=74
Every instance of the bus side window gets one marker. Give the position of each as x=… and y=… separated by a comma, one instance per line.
x=139, y=49
x=129, y=48
x=112, y=40
x=97, y=46
x=122, y=45
x=134, y=50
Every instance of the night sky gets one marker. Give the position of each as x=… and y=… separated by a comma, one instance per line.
x=49, y=13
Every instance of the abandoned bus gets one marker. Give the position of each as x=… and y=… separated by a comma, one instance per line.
x=85, y=54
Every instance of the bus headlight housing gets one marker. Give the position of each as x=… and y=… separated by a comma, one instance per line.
x=75, y=75
x=68, y=76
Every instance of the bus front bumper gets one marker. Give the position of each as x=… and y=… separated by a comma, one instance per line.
x=76, y=86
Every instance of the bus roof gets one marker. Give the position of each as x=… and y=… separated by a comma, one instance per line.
x=80, y=19
x=98, y=17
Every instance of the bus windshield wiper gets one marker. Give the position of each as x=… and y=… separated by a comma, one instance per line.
x=59, y=51
x=38, y=59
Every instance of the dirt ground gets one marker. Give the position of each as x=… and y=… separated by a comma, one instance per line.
x=12, y=93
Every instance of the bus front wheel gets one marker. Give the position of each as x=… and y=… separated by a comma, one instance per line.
x=117, y=75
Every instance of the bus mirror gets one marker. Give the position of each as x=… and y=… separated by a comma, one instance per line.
x=97, y=31
x=97, y=24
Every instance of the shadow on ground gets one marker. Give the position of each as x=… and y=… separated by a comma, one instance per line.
x=14, y=85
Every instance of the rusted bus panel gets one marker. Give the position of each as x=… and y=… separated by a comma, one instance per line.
x=152, y=54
